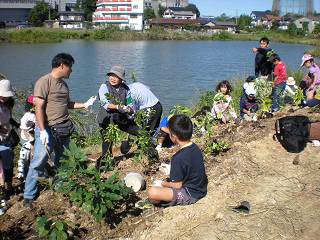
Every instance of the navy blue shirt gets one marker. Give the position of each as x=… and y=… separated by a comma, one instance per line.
x=187, y=166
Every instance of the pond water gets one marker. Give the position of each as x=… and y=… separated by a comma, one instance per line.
x=174, y=70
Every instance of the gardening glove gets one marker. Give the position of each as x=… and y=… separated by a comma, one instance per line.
x=44, y=137
x=157, y=183
x=90, y=102
x=125, y=109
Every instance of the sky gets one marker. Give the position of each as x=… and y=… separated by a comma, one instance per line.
x=229, y=7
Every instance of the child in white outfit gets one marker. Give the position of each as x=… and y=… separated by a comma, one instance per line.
x=27, y=136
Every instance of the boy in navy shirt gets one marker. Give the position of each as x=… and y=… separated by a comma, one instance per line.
x=188, y=179
x=261, y=65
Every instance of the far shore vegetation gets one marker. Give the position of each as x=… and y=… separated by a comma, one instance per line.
x=113, y=33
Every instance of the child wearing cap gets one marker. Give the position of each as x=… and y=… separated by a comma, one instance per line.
x=27, y=127
x=291, y=83
x=249, y=104
x=279, y=82
x=314, y=74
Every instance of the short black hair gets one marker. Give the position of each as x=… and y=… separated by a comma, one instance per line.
x=29, y=107
x=181, y=126
x=62, y=58
x=274, y=57
x=205, y=109
x=224, y=82
x=265, y=39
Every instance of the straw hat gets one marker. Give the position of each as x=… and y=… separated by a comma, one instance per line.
x=5, y=88
x=291, y=81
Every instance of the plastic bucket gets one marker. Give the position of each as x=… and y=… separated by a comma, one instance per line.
x=135, y=181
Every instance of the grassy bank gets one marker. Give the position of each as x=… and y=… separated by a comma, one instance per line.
x=40, y=35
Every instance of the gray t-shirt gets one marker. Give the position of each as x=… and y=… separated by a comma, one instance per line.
x=56, y=94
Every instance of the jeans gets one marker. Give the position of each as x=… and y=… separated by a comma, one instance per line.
x=276, y=92
x=313, y=102
x=7, y=156
x=40, y=160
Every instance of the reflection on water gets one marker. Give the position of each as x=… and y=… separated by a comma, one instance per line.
x=174, y=70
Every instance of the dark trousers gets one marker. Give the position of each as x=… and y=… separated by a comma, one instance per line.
x=129, y=126
x=154, y=118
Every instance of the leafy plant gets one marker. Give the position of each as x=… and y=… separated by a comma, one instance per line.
x=144, y=140
x=85, y=187
x=263, y=95
x=298, y=97
x=54, y=228
x=180, y=109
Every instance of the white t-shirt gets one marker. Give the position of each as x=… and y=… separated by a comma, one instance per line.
x=28, y=116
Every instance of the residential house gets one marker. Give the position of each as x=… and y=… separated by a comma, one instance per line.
x=124, y=13
x=74, y=19
x=265, y=20
x=180, y=13
x=172, y=23
x=258, y=14
x=220, y=26
x=312, y=22
x=173, y=3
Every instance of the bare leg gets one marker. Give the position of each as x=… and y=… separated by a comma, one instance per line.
x=158, y=194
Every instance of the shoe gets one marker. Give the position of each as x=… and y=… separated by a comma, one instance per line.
x=28, y=202
x=144, y=204
x=9, y=193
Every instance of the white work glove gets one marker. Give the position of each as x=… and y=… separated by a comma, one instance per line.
x=90, y=102
x=44, y=137
x=125, y=109
x=157, y=183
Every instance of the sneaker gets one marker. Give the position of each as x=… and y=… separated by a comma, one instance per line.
x=27, y=202
x=144, y=204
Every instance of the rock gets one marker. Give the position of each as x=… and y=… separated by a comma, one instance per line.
x=296, y=160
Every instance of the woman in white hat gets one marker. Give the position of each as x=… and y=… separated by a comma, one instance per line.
x=6, y=139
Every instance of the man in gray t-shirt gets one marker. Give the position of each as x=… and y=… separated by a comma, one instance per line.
x=52, y=103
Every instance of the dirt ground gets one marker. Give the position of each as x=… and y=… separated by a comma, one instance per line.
x=284, y=197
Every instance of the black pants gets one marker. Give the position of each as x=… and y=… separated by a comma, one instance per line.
x=154, y=119
x=128, y=126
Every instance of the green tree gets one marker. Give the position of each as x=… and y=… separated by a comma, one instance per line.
x=194, y=8
x=316, y=29
x=148, y=13
x=275, y=25
x=88, y=6
x=222, y=18
x=161, y=10
x=305, y=26
x=40, y=12
x=292, y=27
x=243, y=21
x=187, y=25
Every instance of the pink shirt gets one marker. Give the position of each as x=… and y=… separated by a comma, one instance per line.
x=315, y=69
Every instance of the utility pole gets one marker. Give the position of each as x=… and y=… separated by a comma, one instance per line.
x=236, y=16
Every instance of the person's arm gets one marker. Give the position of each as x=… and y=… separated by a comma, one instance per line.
x=102, y=96
x=276, y=74
x=242, y=106
x=177, y=185
x=40, y=112
x=14, y=123
x=313, y=84
x=165, y=129
x=75, y=105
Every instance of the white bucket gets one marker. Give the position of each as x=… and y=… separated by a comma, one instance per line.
x=135, y=181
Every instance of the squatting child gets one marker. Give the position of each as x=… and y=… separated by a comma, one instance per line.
x=279, y=82
x=188, y=179
x=222, y=108
x=261, y=65
x=249, y=104
x=314, y=74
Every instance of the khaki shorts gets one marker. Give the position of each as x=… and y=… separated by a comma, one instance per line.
x=181, y=198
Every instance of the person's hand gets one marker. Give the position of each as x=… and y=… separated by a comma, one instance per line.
x=254, y=49
x=90, y=102
x=224, y=120
x=44, y=137
x=125, y=109
x=248, y=113
x=157, y=183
